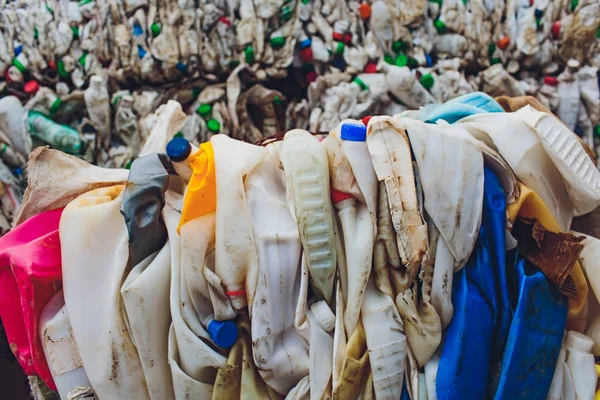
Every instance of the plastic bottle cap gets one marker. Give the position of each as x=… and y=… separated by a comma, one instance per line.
x=337, y=36
x=19, y=66
x=538, y=23
x=155, y=29
x=340, y=48
x=440, y=26
x=550, y=80
x=305, y=1
x=4, y=147
x=572, y=63
x=579, y=341
x=364, y=10
x=52, y=65
x=84, y=2
x=427, y=81
x=412, y=62
x=18, y=50
x=55, y=106
x=223, y=333
x=339, y=63
x=324, y=315
x=249, y=54
x=401, y=60
x=178, y=135
x=388, y=59
x=204, y=110
x=285, y=13
x=556, y=29
x=137, y=30
x=141, y=51
x=178, y=149
x=597, y=130
x=491, y=49
x=31, y=87
x=399, y=45
x=360, y=83
x=305, y=43
x=370, y=68
x=495, y=60
x=428, y=60
x=213, y=125
x=75, y=32
x=366, y=120
x=224, y=20
x=503, y=43
x=436, y=1
x=538, y=13
x=354, y=132
x=347, y=38
x=306, y=55
x=83, y=58
x=311, y=76
x=181, y=67
x=277, y=42
x=277, y=100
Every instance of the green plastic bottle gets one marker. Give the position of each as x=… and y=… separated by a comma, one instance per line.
x=56, y=135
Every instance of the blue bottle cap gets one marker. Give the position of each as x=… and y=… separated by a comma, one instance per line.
x=539, y=13
x=18, y=50
x=305, y=43
x=182, y=67
x=354, y=133
x=18, y=171
x=223, y=333
x=137, y=30
x=339, y=63
x=141, y=51
x=178, y=149
x=428, y=60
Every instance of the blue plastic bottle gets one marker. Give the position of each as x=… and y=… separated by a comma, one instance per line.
x=476, y=336
x=535, y=336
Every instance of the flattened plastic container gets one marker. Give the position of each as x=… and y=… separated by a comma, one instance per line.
x=30, y=270
x=475, y=338
x=460, y=107
x=535, y=336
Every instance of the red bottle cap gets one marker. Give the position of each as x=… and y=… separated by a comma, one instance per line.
x=503, y=43
x=225, y=20
x=366, y=120
x=311, y=76
x=551, y=80
x=338, y=37
x=370, y=68
x=364, y=10
x=31, y=87
x=348, y=38
x=556, y=29
x=337, y=196
x=52, y=64
x=306, y=55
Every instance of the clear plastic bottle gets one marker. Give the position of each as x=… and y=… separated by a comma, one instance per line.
x=59, y=136
x=97, y=103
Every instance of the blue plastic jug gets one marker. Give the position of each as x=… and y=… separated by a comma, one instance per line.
x=476, y=336
x=460, y=107
x=535, y=335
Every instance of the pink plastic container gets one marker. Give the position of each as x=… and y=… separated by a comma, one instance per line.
x=30, y=274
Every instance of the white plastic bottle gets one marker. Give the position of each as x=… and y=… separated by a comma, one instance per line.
x=581, y=364
x=60, y=348
x=386, y=342
x=307, y=175
x=98, y=107
x=403, y=84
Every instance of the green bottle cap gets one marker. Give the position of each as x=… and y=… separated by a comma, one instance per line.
x=83, y=58
x=75, y=30
x=195, y=92
x=84, y=2
x=574, y=4
x=61, y=69
x=277, y=42
x=598, y=130
x=412, y=63
x=128, y=165
x=401, y=60
x=50, y=10
x=19, y=66
x=427, y=81
x=305, y=1
x=234, y=63
x=399, y=45
x=437, y=2
x=204, y=110
x=36, y=34
x=178, y=134
x=55, y=106
x=495, y=60
x=4, y=147
x=388, y=59
x=538, y=22
x=491, y=49
x=277, y=100
x=249, y=54
x=213, y=125
x=440, y=26
x=155, y=29
x=340, y=48
x=285, y=14
x=360, y=83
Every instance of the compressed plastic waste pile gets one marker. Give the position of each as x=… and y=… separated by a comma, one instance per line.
x=421, y=255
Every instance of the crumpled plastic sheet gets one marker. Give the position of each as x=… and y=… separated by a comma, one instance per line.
x=267, y=66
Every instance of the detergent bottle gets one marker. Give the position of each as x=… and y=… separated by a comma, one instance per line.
x=30, y=268
x=60, y=348
x=95, y=254
x=386, y=342
x=279, y=352
x=581, y=364
x=307, y=176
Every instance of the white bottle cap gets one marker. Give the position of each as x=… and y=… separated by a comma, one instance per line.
x=324, y=315
x=572, y=63
x=579, y=341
